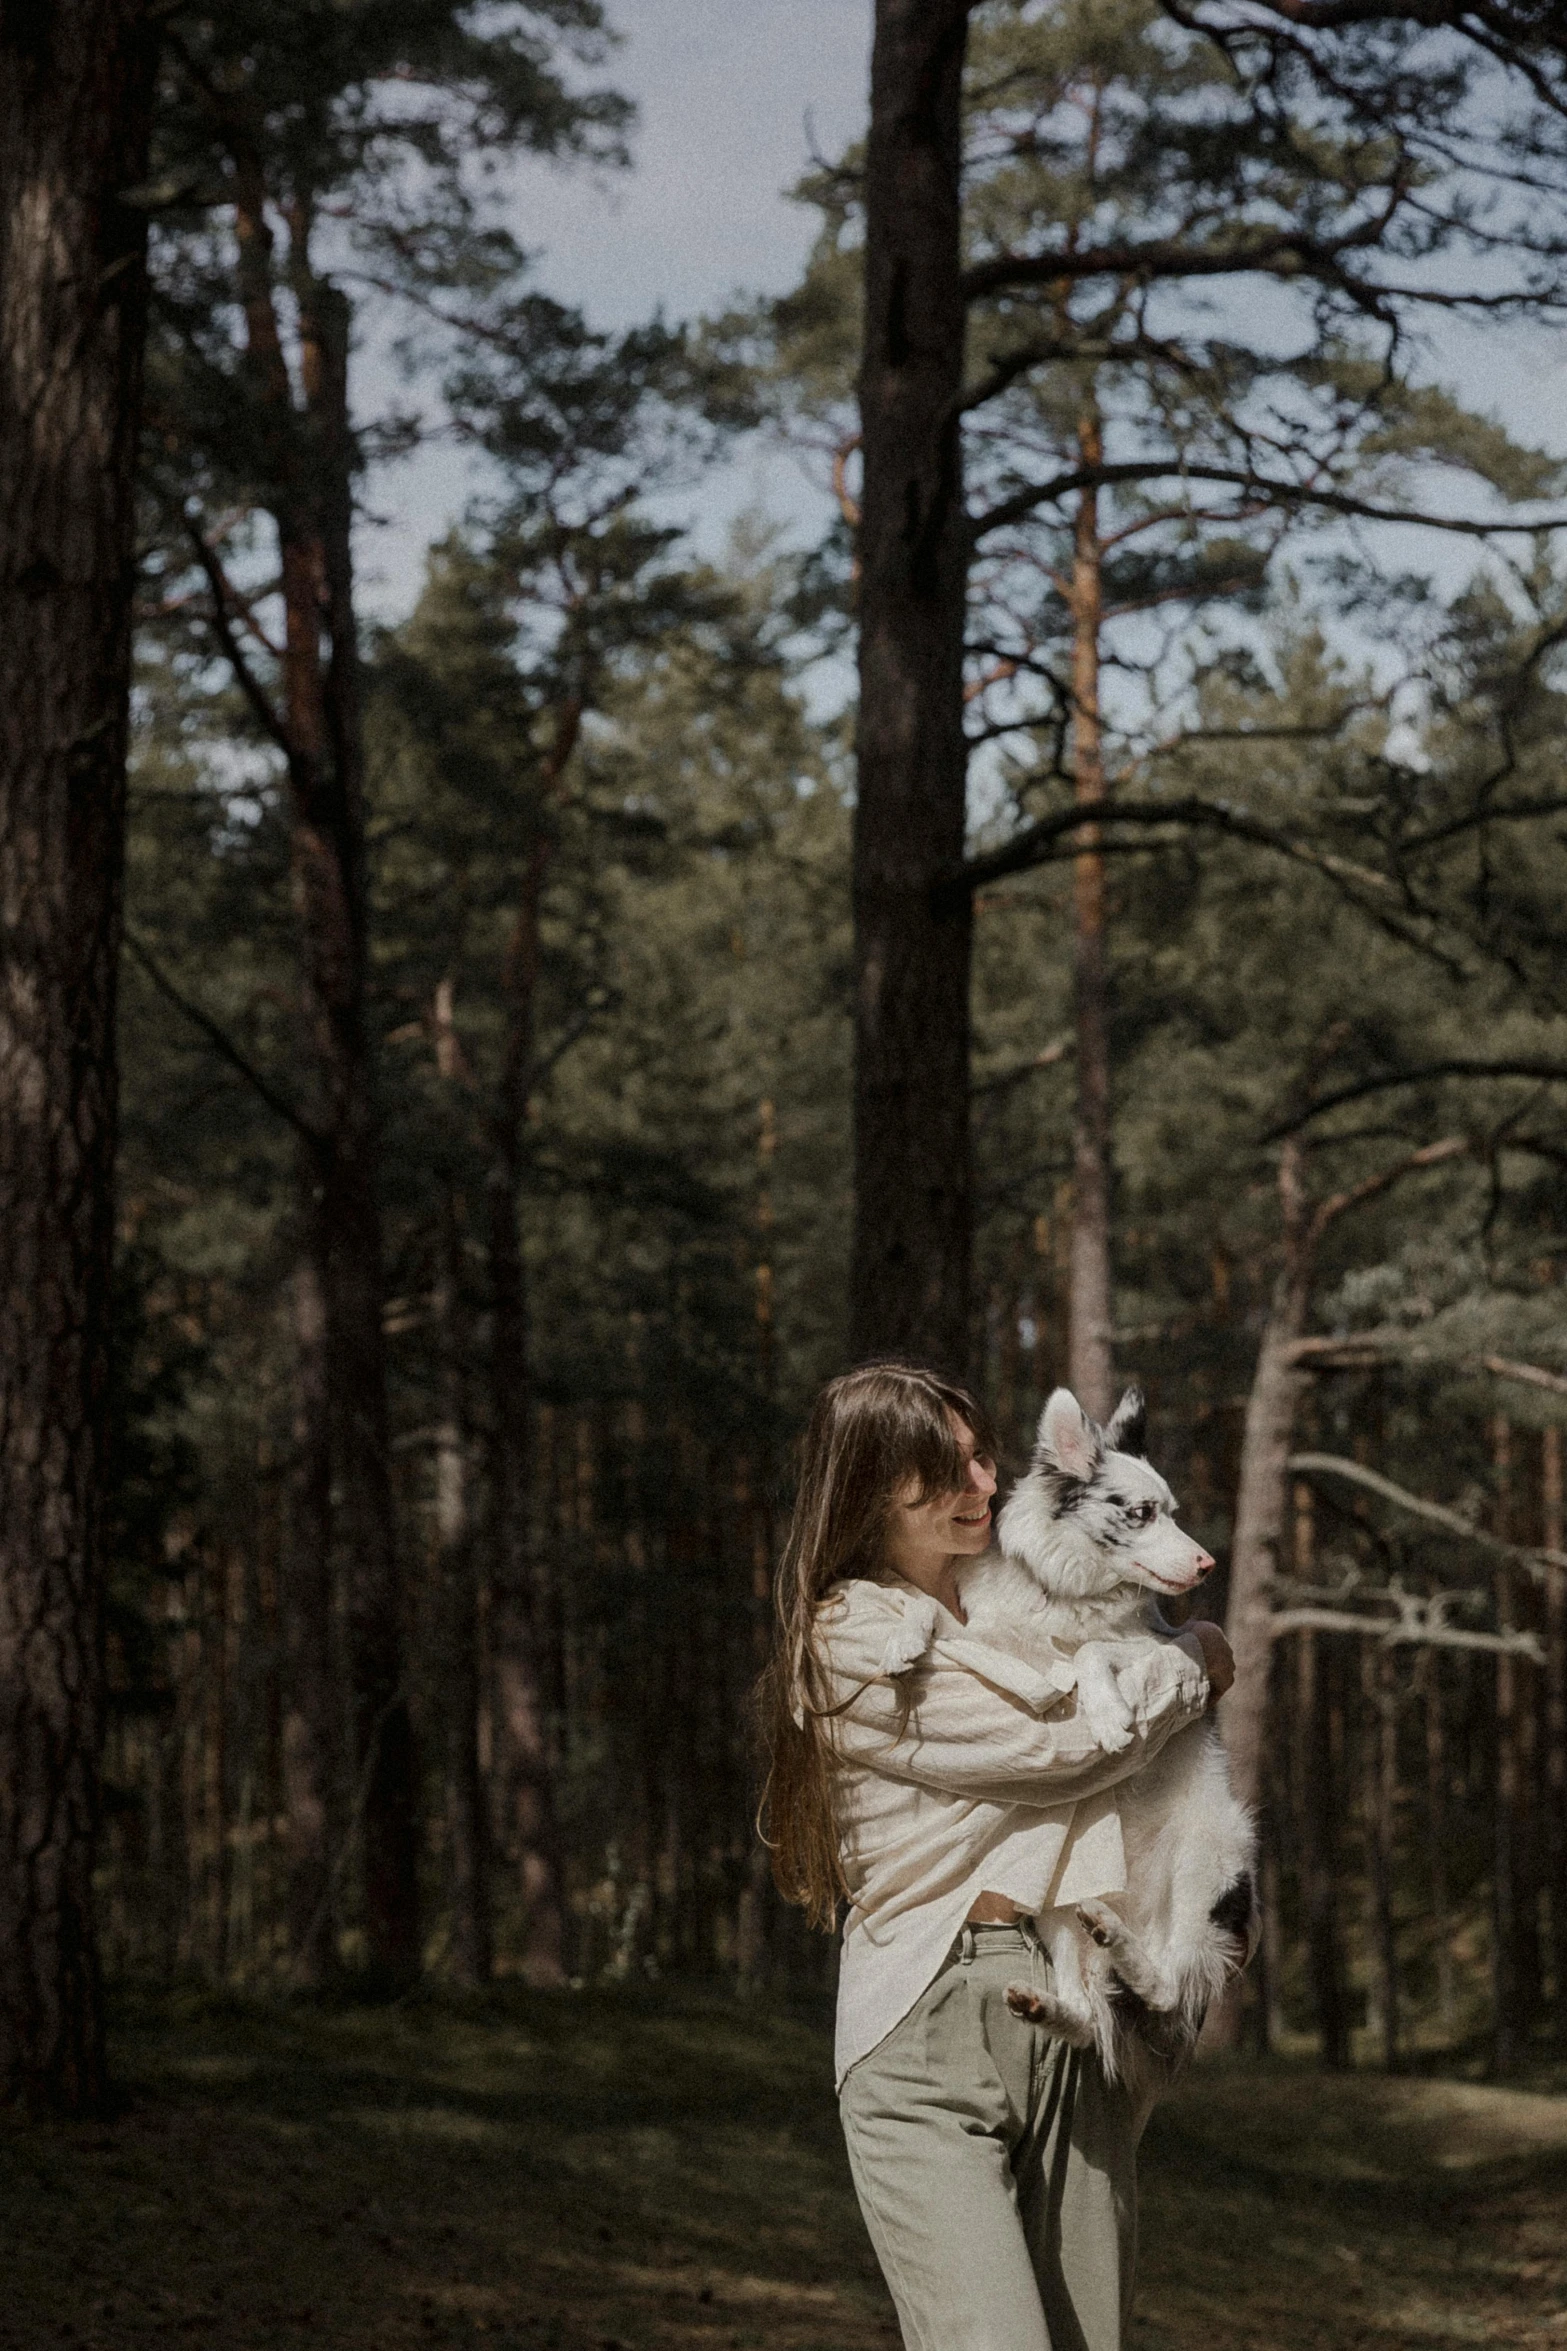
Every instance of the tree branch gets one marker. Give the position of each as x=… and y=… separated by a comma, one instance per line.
x=1334, y=1465
x=1037, y=843
x=1430, y=1155
x=1400, y=1634
x=249, y=684
x=1541, y=1072
x=1271, y=493
x=1530, y=1375
x=223, y=1045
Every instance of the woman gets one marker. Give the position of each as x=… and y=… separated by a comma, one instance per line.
x=947, y=1793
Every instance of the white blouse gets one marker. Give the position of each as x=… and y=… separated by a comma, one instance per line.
x=961, y=1771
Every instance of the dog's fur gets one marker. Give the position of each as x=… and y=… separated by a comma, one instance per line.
x=1084, y=1546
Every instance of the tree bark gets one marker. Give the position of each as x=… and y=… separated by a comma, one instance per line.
x=754, y=1916
x=1512, y=1936
x=1259, y=1525
x=1265, y=1447
x=1379, y=1783
x=76, y=85
x=332, y=836
x=309, y=494
x=1508, y=2021
x=1318, y=1858
x=1438, y=1872
x=1555, y=1774
x=309, y=1732
x=467, y=1841
x=526, y=1777
x=1089, y=1314
x=1264, y=1480
x=913, y=1213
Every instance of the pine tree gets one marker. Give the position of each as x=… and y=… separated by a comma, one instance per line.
x=284, y=116
x=1065, y=380
x=75, y=114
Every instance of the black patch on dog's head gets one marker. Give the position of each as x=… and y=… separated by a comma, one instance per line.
x=1127, y=1428
x=1066, y=1492
x=1068, y=1451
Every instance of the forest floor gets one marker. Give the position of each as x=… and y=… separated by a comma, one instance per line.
x=584, y=2172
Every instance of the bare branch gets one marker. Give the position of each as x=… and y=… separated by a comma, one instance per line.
x=1531, y=1375
x=1038, y=843
x=1393, y=1636
x=222, y=1044
x=1535, y=1563
x=249, y=684
x=1023, y=503
x=1541, y=1072
x=1430, y=1155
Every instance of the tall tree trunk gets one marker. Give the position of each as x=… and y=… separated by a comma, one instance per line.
x=467, y=1854
x=1264, y=1472
x=1509, y=1870
x=1508, y=2022
x=1554, y=1777
x=319, y=727
x=1089, y=1312
x=1438, y=1872
x=756, y=1908
x=1259, y=1523
x=526, y=1778
x=76, y=84
x=1264, y=1480
x=1379, y=1782
x=383, y=1723
x=1318, y=1858
x=309, y=1732
x=913, y=1209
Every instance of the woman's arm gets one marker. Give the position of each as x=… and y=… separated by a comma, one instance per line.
x=944, y=1723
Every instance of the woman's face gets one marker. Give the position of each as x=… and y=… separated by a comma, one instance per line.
x=923, y=1536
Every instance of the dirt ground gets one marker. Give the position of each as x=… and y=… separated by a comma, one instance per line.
x=591, y=2171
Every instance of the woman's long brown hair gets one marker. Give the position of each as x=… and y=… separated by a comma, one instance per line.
x=874, y=1432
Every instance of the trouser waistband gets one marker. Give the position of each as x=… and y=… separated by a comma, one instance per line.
x=992, y=1935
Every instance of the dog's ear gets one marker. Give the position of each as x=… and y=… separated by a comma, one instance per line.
x=1068, y=1442
x=1127, y=1428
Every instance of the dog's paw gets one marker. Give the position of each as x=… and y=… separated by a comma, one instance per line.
x=1060, y=2022
x=1101, y=1922
x=1110, y=1724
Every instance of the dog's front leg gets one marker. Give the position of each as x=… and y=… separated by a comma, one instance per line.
x=1106, y=1712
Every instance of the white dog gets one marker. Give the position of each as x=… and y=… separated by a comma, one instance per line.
x=1086, y=1543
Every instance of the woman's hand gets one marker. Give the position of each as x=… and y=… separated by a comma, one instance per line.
x=1217, y=1657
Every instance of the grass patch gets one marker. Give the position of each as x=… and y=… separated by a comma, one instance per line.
x=661, y=2172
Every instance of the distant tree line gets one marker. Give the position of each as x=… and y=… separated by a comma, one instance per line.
x=547, y=1046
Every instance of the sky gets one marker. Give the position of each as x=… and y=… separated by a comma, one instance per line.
x=731, y=97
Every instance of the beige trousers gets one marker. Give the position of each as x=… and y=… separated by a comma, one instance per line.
x=995, y=2167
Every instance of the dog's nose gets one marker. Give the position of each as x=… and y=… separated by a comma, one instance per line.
x=1205, y=1565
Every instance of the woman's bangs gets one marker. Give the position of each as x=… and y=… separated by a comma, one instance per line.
x=934, y=1455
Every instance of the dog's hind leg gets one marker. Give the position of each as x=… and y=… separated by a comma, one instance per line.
x=1064, y=2009
x=1129, y=1957
x=1060, y=2019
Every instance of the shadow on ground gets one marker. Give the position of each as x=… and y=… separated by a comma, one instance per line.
x=579, y=2172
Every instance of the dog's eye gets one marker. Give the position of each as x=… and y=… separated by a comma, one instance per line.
x=1143, y=1514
